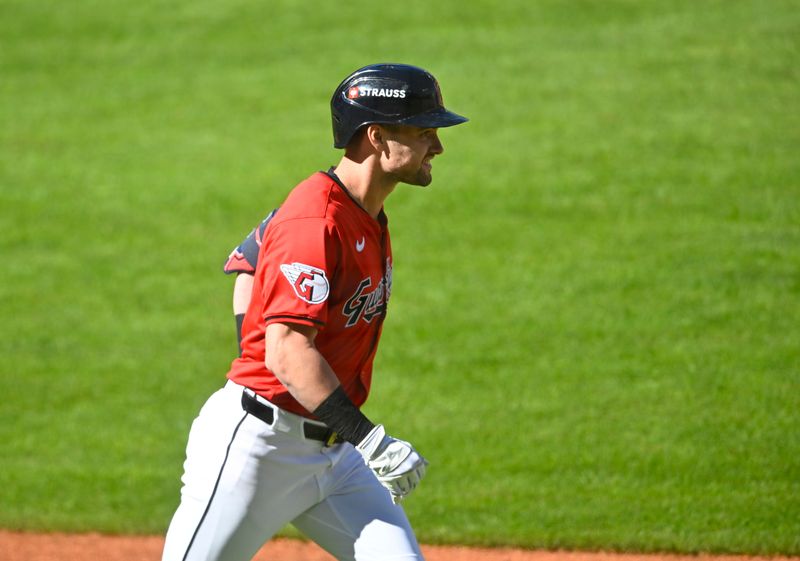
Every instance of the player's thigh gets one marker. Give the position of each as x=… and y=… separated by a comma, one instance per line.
x=242, y=483
x=359, y=522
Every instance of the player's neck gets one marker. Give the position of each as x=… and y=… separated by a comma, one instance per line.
x=368, y=188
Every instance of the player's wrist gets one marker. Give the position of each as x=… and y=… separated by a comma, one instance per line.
x=239, y=324
x=341, y=415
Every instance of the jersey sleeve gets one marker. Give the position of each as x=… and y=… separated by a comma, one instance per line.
x=244, y=258
x=298, y=268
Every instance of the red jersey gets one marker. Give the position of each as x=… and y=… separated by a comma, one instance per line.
x=326, y=263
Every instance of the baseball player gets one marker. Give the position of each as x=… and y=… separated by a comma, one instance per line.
x=284, y=440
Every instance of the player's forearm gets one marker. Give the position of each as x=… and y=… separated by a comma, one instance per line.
x=298, y=365
x=242, y=289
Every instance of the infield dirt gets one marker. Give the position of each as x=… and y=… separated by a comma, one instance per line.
x=19, y=546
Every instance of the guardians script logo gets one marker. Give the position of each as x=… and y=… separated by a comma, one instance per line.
x=367, y=304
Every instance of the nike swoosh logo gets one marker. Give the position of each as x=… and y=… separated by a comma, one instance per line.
x=360, y=244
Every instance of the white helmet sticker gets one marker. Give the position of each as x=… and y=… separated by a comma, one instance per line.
x=309, y=283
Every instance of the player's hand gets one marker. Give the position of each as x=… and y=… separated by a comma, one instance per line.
x=397, y=465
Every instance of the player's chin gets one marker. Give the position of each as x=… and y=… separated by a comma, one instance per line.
x=423, y=176
x=419, y=181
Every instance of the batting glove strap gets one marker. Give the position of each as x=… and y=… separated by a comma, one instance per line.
x=395, y=463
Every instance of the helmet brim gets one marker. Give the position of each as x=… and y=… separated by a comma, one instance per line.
x=438, y=118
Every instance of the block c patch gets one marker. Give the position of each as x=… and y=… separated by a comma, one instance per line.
x=309, y=283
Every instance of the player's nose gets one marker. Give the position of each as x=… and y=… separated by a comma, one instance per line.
x=436, y=144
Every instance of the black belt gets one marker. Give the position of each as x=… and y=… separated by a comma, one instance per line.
x=266, y=414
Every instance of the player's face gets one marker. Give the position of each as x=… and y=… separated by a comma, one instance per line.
x=409, y=154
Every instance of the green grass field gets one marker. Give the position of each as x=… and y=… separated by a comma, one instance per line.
x=593, y=333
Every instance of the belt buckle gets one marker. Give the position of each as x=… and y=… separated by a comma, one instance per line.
x=332, y=438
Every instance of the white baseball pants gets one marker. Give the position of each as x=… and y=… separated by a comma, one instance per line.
x=244, y=480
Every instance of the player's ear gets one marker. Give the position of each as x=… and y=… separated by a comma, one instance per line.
x=376, y=135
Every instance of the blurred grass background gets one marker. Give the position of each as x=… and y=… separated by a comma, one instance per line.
x=593, y=331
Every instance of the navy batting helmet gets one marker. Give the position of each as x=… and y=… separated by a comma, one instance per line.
x=388, y=94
